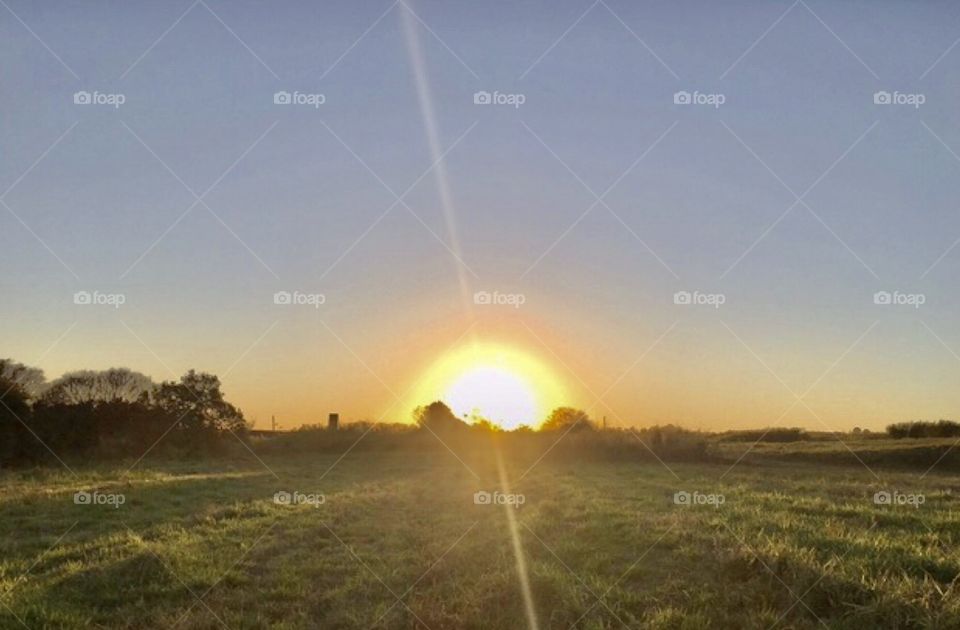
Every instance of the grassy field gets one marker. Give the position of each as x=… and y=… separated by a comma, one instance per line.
x=399, y=542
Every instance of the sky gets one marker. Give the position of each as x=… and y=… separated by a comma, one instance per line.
x=587, y=199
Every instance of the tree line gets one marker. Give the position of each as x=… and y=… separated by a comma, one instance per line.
x=110, y=413
x=920, y=428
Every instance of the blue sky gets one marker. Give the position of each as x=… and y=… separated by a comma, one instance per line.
x=300, y=195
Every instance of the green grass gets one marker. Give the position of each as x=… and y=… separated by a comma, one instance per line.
x=399, y=543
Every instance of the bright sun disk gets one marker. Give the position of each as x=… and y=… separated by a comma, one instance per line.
x=495, y=382
x=493, y=393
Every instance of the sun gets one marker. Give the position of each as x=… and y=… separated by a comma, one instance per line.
x=494, y=393
x=498, y=383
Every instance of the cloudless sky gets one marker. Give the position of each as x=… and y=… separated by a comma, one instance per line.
x=298, y=201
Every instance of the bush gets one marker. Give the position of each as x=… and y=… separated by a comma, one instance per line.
x=919, y=429
x=114, y=414
x=361, y=436
x=767, y=435
x=667, y=443
x=14, y=412
x=438, y=418
x=567, y=419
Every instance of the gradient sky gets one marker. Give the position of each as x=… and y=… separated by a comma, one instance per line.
x=706, y=208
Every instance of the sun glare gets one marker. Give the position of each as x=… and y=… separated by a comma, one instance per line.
x=494, y=393
x=498, y=383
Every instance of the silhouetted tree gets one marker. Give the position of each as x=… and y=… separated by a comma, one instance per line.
x=129, y=428
x=30, y=379
x=115, y=384
x=197, y=405
x=115, y=412
x=942, y=428
x=106, y=429
x=14, y=411
x=567, y=418
x=64, y=429
x=437, y=417
x=103, y=412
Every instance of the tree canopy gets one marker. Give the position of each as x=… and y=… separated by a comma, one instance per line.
x=567, y=418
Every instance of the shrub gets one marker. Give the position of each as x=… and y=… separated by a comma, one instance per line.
x=14, y=412
x=438, y=417
x=767, y=435
x=667, y=443
x=941, y=428
x=567, y=419
x=114, y=413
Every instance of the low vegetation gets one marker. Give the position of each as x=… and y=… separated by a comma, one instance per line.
x=569, y=435
x=941, y=428
x=766, y=435
x=112, y=415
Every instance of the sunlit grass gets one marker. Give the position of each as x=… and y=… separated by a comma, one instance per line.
x=604, y=544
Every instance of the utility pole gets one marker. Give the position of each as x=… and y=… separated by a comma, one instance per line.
x=273, y=422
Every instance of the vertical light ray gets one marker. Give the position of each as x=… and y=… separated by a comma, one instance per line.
x=521, y=561
x=425, y=98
